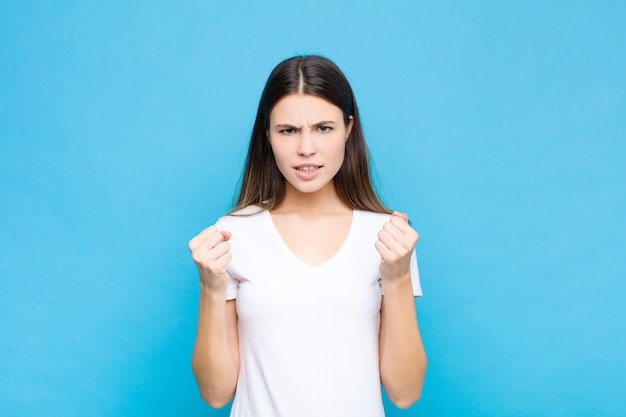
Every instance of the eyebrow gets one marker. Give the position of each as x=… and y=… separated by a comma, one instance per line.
x=288, y=126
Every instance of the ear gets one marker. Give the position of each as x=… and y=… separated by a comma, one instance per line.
x=267, y=131
x=349, y=127
x=267, y=136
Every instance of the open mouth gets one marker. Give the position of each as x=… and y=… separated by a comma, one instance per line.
x=310, y=168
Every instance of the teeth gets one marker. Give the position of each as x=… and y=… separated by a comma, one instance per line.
x=307, y=169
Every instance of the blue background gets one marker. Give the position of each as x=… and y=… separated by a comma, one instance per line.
x=498, y=126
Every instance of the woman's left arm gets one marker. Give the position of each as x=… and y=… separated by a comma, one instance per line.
x=402, y=355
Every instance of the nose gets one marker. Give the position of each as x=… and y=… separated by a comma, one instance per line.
x=307, y=146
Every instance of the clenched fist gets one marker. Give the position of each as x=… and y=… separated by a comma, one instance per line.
x=395, y=244
x=210, y=251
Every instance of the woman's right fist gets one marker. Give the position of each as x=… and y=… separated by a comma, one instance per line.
x=210, y=251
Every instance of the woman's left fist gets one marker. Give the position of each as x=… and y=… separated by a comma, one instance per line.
x=395, y=244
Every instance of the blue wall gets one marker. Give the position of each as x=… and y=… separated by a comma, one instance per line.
x=497, y=125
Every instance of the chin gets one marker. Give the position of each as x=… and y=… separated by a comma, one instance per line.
x=308, y=188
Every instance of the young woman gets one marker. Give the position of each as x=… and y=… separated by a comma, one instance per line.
x=293, y=320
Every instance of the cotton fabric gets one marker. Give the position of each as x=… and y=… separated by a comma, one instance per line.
x=308, y=336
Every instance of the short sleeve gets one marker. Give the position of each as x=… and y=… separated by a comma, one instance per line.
x=415, y=277
x=233, y=285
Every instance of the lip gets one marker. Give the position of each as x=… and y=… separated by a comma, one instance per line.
x=307, y=175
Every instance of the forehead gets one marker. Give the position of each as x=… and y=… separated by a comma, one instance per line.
x=304, y=108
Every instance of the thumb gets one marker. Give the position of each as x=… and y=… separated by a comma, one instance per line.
x=401, y=215
x=226, y=235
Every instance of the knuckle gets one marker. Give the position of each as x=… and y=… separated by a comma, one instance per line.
x=193, y=242
x=196, y=257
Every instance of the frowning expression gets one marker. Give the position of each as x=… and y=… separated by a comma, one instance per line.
x=308, y=137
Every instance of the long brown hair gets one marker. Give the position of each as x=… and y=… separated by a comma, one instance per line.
x=262, y=184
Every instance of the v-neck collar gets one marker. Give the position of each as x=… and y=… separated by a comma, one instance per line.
x=281, y=242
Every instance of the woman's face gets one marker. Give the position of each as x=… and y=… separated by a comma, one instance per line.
x=308, y=137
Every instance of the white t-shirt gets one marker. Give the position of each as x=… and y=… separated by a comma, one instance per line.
x=308, y=336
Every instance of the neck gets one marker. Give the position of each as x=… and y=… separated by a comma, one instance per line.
x=320, y=202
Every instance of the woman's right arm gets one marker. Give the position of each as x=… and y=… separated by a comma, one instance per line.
x=216, y=353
